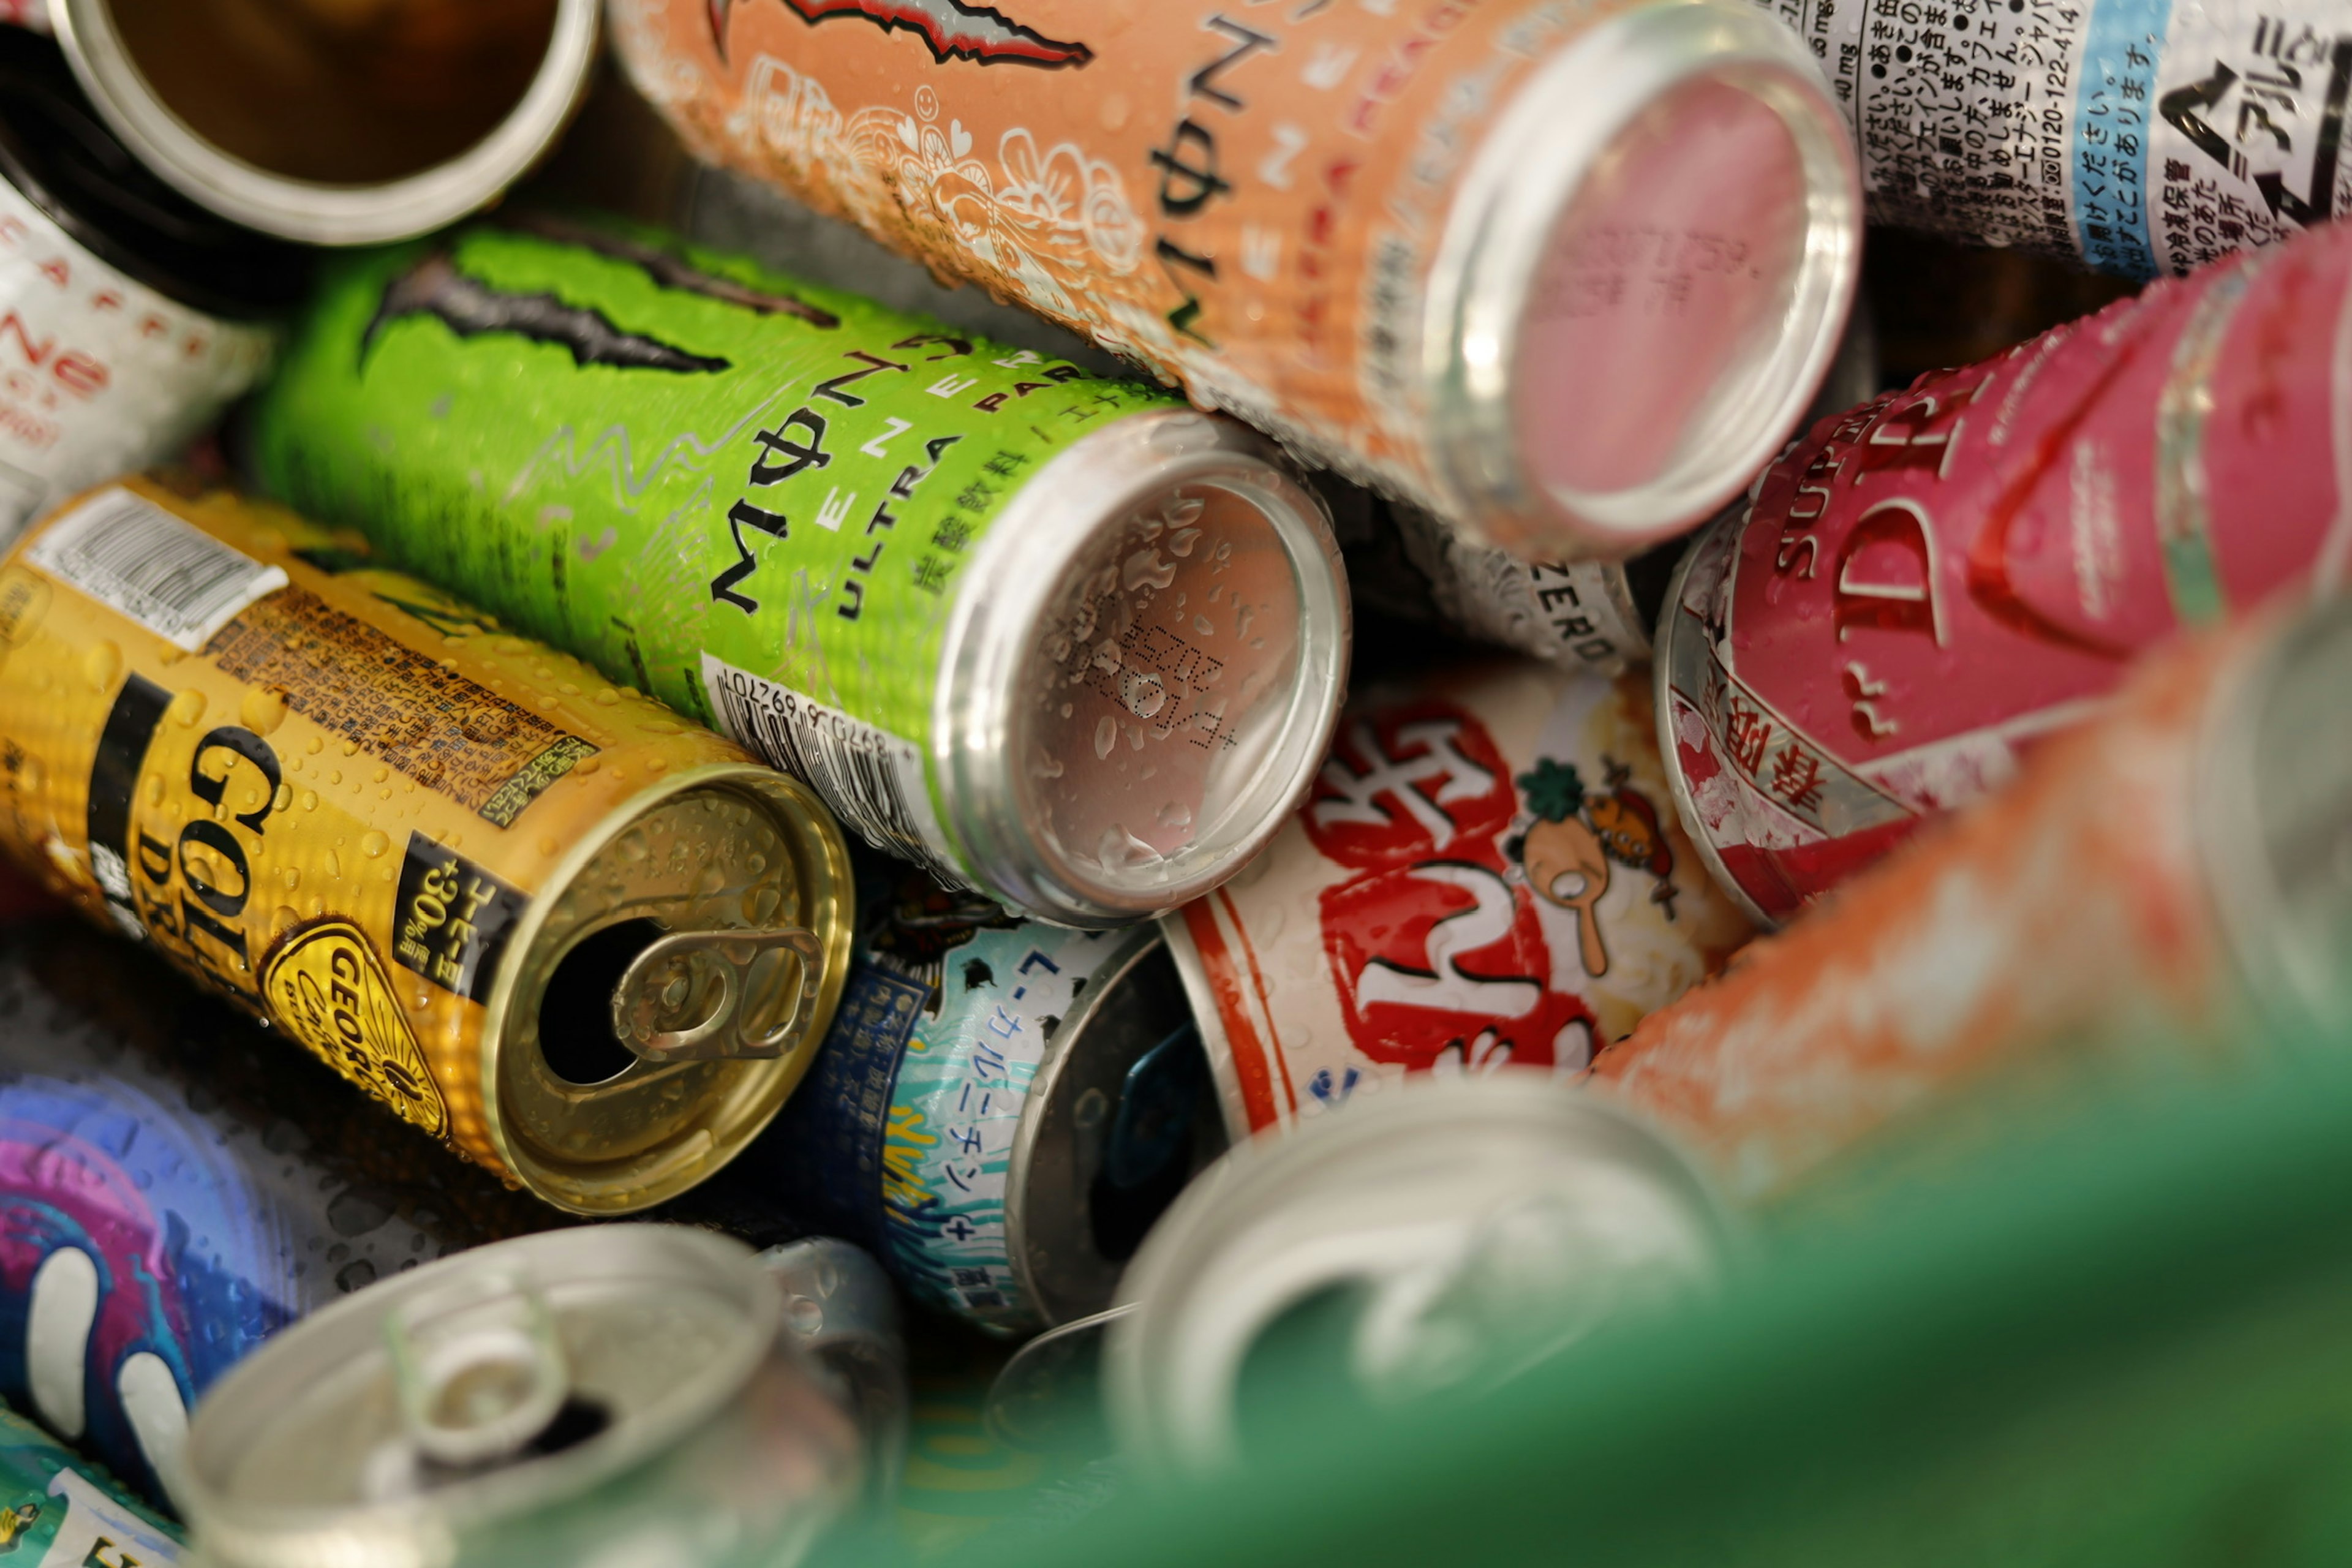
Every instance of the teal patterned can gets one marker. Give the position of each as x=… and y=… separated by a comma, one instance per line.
x=57, y=1507
x=1059, y=637
x=1001, y=1110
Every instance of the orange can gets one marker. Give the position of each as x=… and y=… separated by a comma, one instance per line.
x=1565, y=273
x=581, y=942
x=2178, y=870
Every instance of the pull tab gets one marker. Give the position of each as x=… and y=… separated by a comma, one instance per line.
x=686, y=997
x=477, y=1368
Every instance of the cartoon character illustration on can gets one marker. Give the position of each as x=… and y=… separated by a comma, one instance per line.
x=1488, y=878
x=1565, y=852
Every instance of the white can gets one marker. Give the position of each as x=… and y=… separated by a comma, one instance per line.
x=128, y=319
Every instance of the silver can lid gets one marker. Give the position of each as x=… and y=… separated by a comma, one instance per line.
x=1465, y=1226
x=1142, y=671
x=2274, y=814
x=1642, y=281
x=573, y=1376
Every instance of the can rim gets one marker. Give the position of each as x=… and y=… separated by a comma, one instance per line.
x=1663, y=642
x=1020, y=1247
x=1210, y=1019
x=1087, y=488
x=1529, y=169
x=2284, y=979
x=311, y=211
x=1167, y=1383
x=321, y=1340
x=830, y=914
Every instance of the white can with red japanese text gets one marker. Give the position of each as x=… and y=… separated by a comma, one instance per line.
x=1487, y=871
x=2139, y=136
x=129, y=318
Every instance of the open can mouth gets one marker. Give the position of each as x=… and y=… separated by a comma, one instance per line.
x=334, y=123
x=1642, y=283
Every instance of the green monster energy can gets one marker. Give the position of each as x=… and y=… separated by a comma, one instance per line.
x=1059, y=637
x=58, y=1507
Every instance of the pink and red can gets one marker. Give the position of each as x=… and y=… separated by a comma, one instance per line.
x=2166, y=888
x=1922, y=589
x=1488, y=871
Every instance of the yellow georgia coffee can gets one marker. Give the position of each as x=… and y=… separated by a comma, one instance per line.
x=582, y=942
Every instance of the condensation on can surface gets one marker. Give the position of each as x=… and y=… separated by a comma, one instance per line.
x=2071, y=912
x=208, y=1189
x=750, y=497
x=328, y=791
x=1248, y=201
x=56, y=1507
x=102, y=373
x=2140, y=136
x=1924, y=588
x=1488, y=870
x=902, y=1136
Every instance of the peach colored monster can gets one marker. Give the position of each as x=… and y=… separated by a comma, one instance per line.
x=1488, y=872
x=2178, y=870
x=1564, y=271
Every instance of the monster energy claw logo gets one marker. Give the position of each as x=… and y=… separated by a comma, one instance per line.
x=472, y=309
x=951, y=29
x=671, y=272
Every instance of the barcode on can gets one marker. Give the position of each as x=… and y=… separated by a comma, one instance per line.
x=873, y=780
x=158, y=570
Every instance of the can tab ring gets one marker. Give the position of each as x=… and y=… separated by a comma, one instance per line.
x=688, y=997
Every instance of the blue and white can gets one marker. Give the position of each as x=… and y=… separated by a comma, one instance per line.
x=1000, y=1108
x=2139, y=136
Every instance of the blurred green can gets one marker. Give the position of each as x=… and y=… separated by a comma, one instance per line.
x=1058, y=637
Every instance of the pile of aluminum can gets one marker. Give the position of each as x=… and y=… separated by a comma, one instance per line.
x=1407, y=711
